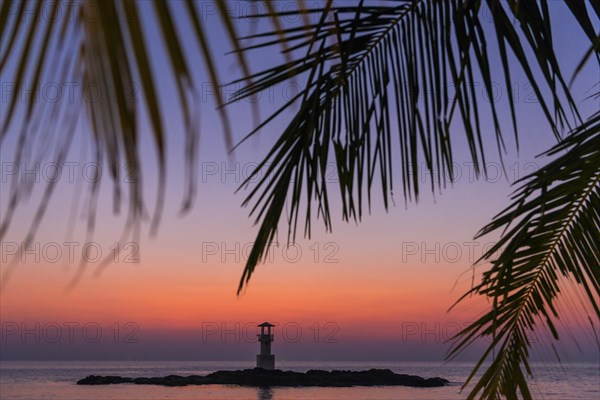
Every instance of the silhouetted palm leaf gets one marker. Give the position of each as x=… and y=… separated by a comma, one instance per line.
x=60, y=43
x=556, y=218
x=375, y=64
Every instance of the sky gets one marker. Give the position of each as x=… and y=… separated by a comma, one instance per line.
x=380, y=289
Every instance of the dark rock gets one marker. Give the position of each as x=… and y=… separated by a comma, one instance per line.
x=103, y=380
x=259, y=377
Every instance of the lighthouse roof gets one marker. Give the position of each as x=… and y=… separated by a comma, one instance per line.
x=266, y=324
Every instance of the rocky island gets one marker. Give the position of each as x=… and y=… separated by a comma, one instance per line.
x=259, y=377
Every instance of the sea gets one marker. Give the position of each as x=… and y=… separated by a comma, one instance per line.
x=36, y=380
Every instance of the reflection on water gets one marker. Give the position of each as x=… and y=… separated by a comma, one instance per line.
x=265, y=393
x=41, y=380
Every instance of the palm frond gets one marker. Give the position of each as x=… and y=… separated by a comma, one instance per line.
x=377, y=76
x=58, y=42
x=551, y=233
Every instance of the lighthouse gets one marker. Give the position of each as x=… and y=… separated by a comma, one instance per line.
x=265, y=359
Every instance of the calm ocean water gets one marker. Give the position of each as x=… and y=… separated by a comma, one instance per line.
x=56, y=380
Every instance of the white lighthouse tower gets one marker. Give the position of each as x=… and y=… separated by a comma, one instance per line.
x=265, y=359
